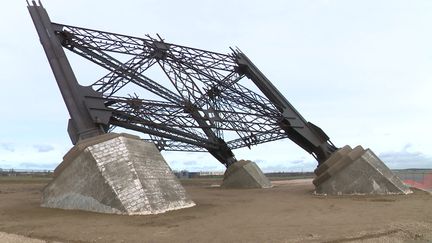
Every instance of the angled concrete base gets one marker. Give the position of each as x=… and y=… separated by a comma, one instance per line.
x=245, y=174
x=115, y=173
x=356, y=171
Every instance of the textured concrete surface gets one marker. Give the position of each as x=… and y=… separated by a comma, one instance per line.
x=115, y=173
x=245, y=174
x=339, y=154
x=356, y=171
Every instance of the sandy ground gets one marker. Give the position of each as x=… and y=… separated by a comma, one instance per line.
x=289, y=212
x=12, y=238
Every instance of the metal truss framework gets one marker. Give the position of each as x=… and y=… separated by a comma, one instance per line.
x=206, y=99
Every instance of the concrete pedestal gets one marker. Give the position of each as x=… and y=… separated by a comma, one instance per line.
x=245, y=174
x=356, y=171
x=115, y=173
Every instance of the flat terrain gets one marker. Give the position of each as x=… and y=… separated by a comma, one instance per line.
x=289, y=212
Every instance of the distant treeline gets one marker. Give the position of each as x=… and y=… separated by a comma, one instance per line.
x=289, y=174
x=273, y=175
x=24, y=172
x=209, y=174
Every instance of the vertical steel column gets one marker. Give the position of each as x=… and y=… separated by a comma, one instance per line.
x=81, y=125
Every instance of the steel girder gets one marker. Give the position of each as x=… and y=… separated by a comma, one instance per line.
x=205, y=102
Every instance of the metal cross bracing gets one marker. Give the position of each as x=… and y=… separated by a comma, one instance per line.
x=206, y=100
x=183, y=67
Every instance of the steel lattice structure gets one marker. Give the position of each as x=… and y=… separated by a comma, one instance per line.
x=206, y=99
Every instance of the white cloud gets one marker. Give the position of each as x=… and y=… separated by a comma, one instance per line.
x=43, y=148
x=37, y=166
x=406, y=158
x=7, y=146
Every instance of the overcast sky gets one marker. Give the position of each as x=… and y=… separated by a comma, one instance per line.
x=361, y=70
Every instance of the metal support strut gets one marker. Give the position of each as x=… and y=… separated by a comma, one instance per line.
x=206, y=108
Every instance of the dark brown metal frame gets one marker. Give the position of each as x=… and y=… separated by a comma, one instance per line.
x=206, y=101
